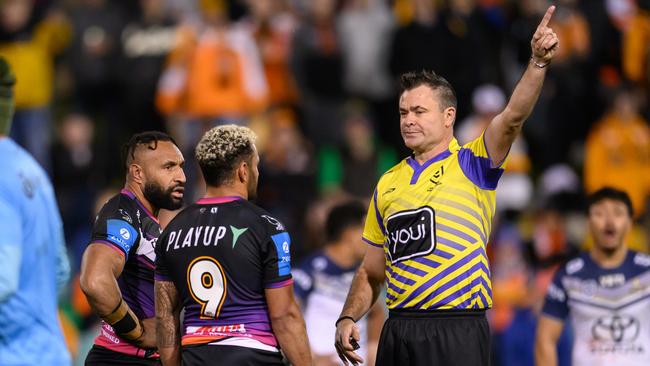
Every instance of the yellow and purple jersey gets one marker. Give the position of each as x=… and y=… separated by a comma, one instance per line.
x=433, y=222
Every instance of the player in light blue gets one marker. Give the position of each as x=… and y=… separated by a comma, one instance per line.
x=33, y=262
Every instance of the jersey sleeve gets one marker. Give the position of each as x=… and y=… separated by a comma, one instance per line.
x=556, y=301
x=115, y=228
x=276, y=254
x=161, y=272
x=10, y=249
x=303, y=282
x=373, y=230
x=477, y=165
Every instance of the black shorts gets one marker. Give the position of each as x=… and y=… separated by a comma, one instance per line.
x=100, y=356
x=431, y=338
x=206, y=354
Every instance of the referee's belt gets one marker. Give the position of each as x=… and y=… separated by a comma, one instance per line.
x=435, y=313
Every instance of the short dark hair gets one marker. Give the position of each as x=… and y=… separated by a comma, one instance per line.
x=612, y=194
x=412, y=80
x=221, y=149
x=343, y=216
x=148, y=138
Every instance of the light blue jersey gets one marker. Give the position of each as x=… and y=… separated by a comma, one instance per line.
x=33, y=263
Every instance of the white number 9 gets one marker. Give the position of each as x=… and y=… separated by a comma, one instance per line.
x=207, y=284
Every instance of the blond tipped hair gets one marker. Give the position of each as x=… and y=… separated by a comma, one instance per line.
x=221, y=149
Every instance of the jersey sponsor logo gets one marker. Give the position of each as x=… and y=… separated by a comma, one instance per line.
x=556, y=293
x=125, y=216
x=612, y=280
x=574, y=266
x=411, y=234
x=642, y=260
x=616, y=335
x=121, y=233
x=236, y=233
x=282, y=243
x=195, y=236
x=273, y=221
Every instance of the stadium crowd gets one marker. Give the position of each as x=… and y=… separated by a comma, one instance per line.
x=317, y=81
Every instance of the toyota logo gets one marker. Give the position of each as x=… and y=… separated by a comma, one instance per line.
x=617, y=328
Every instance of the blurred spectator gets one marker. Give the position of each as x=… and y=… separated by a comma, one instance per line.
x=92, y=61
x=287, y=170
x=355, y=165
x=322, y=278
x=366, y=28
x=317, y=65
x=30, y=38
x=213, y=75
x=145, y=42
x=617, y=151
x=636, y=47
x=75, y=174
x=515, y=188
x=272, y=26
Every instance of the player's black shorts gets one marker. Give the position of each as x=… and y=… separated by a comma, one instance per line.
x=205, y=354
x=100, y=356
x=432, y=338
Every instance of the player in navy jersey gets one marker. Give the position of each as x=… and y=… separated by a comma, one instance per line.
x=323, y=278
x=117, y=269
x=227, y=264
x=603, y=293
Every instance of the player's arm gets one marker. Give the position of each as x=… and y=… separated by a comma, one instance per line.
x=101, y=265
x=168, y=333
x=549, y=330
x=366, y=287
x=288, y=325
x=505, y=127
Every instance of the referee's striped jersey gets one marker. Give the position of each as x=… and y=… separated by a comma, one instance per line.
x=433, y=222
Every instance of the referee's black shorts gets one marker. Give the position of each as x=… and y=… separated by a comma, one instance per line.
x=432, y=338
x=206, y=354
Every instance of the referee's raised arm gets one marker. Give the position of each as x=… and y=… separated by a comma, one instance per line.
x=505, y=127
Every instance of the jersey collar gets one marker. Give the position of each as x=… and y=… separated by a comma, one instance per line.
x=216, y=200
x=418, y=169
x=132, y=196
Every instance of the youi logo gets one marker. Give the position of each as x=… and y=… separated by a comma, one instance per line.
x=411, y=234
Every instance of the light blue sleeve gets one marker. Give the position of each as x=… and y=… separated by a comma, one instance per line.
x=10, y=249
x=62, y=263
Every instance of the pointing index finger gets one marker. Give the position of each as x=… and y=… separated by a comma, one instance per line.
x=547, y=16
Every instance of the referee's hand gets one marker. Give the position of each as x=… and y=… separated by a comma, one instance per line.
x=344, y=330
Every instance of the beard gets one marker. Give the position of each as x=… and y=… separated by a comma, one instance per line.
x=162, y=198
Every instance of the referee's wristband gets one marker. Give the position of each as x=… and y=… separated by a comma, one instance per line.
x=343, y=318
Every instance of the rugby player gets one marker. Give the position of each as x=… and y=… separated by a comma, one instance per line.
x=117, y=269
x=227, y=264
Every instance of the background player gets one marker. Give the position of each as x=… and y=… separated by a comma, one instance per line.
x=322, y=279
x=226, y=262
x=604, y=293
x=33, y=260
x=118, y=265
x=429, y=221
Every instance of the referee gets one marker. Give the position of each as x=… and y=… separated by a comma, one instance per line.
x=429, y=221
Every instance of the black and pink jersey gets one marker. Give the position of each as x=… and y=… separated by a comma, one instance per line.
x=127, y=226
x=222, y=253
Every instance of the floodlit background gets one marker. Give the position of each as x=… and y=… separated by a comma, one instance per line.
x=316, y=79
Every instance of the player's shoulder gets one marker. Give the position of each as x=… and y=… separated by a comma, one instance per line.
x=393, y=173
x=119, y=206
x=264, y=218
x=640, y=260
x=316, y=261
x=575, y=265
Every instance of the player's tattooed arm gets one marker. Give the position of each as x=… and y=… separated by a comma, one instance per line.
x=168, y=323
